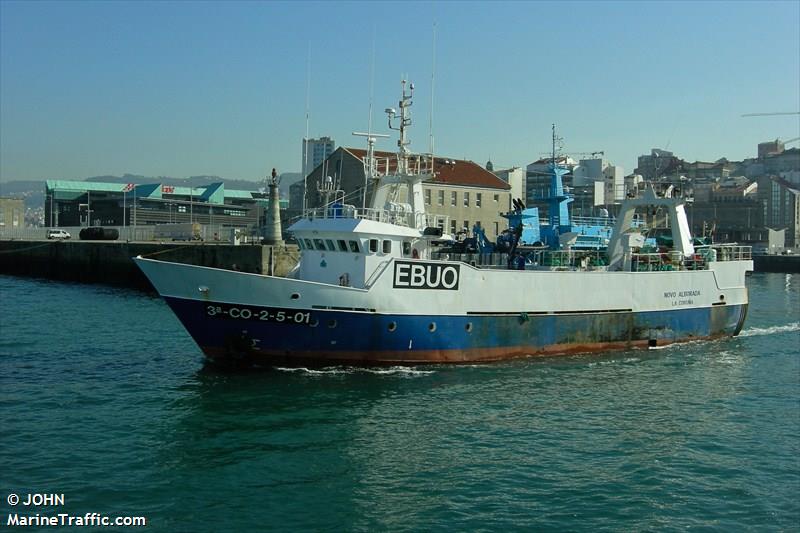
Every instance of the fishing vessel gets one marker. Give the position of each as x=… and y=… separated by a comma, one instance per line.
x=373, y=287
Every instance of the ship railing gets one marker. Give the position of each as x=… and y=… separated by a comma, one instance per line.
x=402, y=218
x=726, y=252
x=530, y=260
x=385, y=166
x=592, y=221
x=398, y=218
x=672, y=260
x=597, y=259
x=699, y=260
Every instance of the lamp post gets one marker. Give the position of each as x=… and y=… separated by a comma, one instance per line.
x=134, y=212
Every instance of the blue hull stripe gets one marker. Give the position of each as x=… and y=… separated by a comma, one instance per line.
x=371, y=337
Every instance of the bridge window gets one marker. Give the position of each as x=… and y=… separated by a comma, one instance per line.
x=309, y=244
x=354, y=247
x=406, y=248
x=373, y=245
x=330, y=245
x=342, y=245
x=300, y=244
x=319, y=245
x=387, y=247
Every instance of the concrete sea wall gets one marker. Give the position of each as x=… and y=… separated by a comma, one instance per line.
x=110, y=262
x=789, y=264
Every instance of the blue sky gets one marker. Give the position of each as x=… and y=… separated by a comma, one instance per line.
x=187, y=88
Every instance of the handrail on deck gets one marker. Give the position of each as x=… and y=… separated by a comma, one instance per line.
x=396, y=217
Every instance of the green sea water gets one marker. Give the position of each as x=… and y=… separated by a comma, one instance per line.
x=105, y=399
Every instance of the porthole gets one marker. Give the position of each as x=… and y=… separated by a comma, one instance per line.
x=332, y=323
x=468, y=327
x=432, y=327
x=314, y=323
x=392, y=326
x=295, y=296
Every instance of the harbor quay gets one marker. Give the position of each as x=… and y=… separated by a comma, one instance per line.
x=111, y=262
x=787, y=264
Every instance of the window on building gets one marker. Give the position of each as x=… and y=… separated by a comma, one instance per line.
x=427, y=197
x=452, y=227
x=466, y=226
x=466, y=199
x=441, y=197
x=496, y=229
x=496, y=198
x=453, y=198
x=478, y=199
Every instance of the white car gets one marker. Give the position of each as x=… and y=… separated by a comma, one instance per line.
x=58, y=234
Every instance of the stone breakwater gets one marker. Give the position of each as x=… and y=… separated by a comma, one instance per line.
x=112, y=262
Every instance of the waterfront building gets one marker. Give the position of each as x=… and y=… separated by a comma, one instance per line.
x=461, y=191
x=780, y=201
x=658, y=163
x=82, y=203
x=515, y=177
x=537, y=179
x=12, y=213
x=590, y=171
x=315, y=151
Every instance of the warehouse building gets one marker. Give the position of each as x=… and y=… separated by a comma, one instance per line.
x=83, y=203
